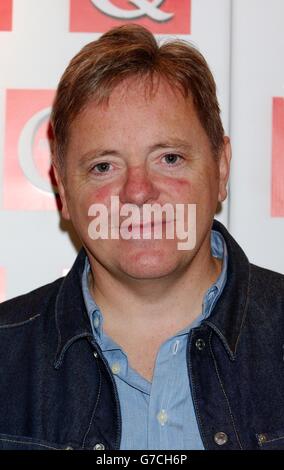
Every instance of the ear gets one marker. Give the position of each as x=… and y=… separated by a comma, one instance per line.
x=224, y=168
x=58, y=173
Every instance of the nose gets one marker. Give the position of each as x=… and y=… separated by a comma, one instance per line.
x=138, y=188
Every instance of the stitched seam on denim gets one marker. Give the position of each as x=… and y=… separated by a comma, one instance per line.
x=69, y=343
x=28, y=442
x=223, y=390
x=245, y=308
x=58, y=362
x=224, y=341
x=271, y=440
x=56, y=318
x=96, y=405
x=118, y=425
x=13, y=325
x=233, y=353
x=202, y=431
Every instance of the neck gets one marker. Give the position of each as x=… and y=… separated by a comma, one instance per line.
x=137, y=303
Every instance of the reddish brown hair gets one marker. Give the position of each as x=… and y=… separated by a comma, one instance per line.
x=123, y=52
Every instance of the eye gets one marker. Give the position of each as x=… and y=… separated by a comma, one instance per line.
x=102, y=167
x=172, y=159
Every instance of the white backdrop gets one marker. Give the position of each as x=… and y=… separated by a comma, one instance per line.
x=257, y=77
x=243, y=43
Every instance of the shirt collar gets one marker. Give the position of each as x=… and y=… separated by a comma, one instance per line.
x=93, y=309
x=218, y=250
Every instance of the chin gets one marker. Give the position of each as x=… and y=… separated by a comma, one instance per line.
x=147, y=265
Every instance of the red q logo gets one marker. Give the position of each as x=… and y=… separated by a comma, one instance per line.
x=26, y=181
x=143, y=8
x=6, y=7
x=277, y=190
x=159, y=16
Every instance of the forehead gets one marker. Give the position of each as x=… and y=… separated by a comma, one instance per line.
x=140, y=101
x=137, y=115
x=145, y=89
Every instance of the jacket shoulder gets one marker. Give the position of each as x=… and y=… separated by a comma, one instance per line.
x=25, y=307
x=267, y=279
x=266, y=296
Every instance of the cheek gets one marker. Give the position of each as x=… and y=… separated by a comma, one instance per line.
x=177, y=188
x=100, y=195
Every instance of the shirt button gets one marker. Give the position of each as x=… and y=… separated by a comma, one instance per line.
x=115, y=368
x=220, y=438
x=176, y=346
x=162, y=417
x=95, y=354
x=99, y=447
x=200, y=344
x=96, y=322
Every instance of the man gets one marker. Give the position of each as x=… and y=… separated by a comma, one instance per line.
x=144, y=345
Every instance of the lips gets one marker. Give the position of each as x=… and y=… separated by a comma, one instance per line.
x=148, y=225
x=143, y=230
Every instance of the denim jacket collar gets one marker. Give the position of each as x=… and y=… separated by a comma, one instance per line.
x=226, y=319
x=71, y=318
x=229, y=313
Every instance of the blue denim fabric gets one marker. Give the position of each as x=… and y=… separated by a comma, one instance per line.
x=157, y=415
x=57, y=390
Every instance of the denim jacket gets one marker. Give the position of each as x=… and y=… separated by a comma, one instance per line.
x=58, y=392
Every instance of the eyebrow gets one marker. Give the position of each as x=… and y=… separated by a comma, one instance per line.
x=176, y=143
x=98, y=153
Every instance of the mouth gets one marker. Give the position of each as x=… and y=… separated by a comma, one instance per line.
x=149, y=224
x=145, y=229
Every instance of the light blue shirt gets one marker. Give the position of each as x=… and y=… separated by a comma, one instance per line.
x=158, y=415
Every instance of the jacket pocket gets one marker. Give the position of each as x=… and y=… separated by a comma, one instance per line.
x=10, y=442
x=273, y=440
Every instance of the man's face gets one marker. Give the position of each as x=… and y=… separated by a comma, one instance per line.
x=144, y=151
